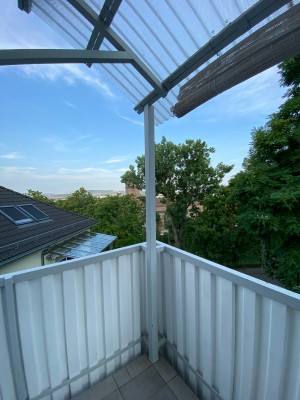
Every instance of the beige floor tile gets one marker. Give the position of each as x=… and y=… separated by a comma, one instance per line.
x=164, y=369
x=181, y=390
x=121, y=377
x=138, y=366
x=143, y=386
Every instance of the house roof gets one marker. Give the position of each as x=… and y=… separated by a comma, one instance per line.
x=148, y=48
x=19, y=240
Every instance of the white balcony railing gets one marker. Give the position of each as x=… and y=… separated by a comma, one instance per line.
x=67, y=326
x=231, y=336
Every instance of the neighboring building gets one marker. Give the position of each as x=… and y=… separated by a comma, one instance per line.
x=160, y=205
x=161, y=208
x=132, y=190
x=33, y=233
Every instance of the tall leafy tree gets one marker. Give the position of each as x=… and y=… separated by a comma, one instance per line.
x=269, y=187
x=36, y=194
x=121, y=216
x=212, y=234
x=184, y=176
x=290, y=75
x=80, y=201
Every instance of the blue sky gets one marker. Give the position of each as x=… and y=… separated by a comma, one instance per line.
x=63, y=126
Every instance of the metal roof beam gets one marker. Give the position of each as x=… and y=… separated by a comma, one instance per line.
x=257, y=13
x=25, y=5
x=87, y=12
x=107, y=13
x=109, y=10
x=61, y=56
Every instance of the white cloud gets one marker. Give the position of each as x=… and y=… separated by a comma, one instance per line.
x=71, y=105
x=56, y=142
x=132, y=121
x=64, y=180
x=114, y=160
x=256, y=95
x=122, y=170
x=71, y=74
x=81, y=138
x=63, y=144
x=234, y=160
x=20, y=31
x=16, y=170
x=55, y=184
x=205, y=121
x=87, y=170
x=11, y=156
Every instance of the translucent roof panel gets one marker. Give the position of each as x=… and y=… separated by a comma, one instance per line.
x=83, y=245
x=163, y=34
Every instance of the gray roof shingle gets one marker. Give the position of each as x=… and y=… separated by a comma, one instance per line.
x=17, y=241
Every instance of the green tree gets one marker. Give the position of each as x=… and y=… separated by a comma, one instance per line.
x=121, y=216
x=212, y=234
x=268, y=189
x=80, y=202
x=290, y=75
x=184, y=176
x=36, y=194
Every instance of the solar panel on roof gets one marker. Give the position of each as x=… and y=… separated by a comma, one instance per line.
x=34, y=212
x=16, y=215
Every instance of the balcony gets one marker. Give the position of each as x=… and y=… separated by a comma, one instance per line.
x=67, y=327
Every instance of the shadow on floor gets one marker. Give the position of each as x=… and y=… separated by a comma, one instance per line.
x=141, y=380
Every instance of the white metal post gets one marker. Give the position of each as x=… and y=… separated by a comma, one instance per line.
x=151, y=232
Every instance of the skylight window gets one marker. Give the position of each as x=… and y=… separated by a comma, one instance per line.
x=33, y=212
x=23, y=214
x=16, y=215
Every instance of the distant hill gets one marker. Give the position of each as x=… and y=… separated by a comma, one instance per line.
x=96, y=193
x=104, y=192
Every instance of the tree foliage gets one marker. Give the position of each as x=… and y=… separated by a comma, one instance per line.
x=268, y=189
x=121, y=216
x=81, y=202
x=290, y=75
x=184, y=176
x=212, y=234
x=36, y=194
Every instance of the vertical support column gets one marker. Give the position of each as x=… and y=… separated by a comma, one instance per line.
x=151, y=257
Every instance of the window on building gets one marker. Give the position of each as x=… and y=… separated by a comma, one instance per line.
x=34, y=212
x=23, y=214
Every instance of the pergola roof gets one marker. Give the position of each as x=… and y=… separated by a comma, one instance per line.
x=149, y=48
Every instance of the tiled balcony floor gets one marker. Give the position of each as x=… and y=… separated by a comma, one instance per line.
x=141, y=380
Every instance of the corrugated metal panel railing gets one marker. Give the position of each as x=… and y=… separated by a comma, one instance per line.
x=65, y=327
x=229, y=335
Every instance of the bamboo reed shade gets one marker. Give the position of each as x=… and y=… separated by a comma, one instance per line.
x=273, y=43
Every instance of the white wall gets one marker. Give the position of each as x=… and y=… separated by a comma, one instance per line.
x=30, y=261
